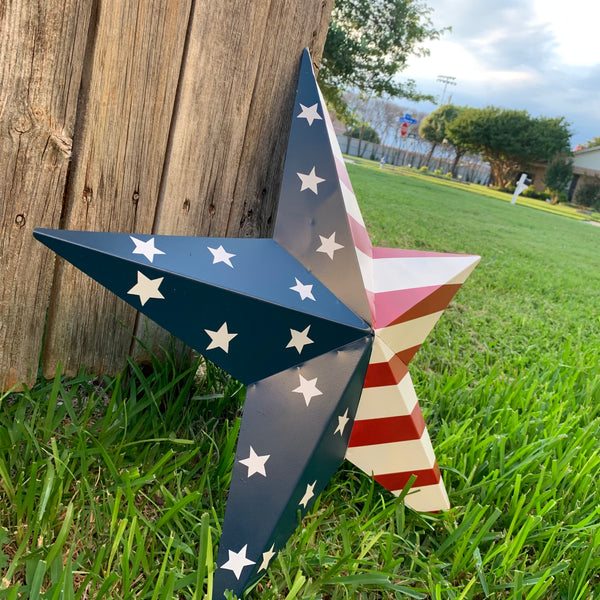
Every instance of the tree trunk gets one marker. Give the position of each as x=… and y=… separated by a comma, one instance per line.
x=458, y=155
x=360, y=139
x=430, y=153
x=504, y=172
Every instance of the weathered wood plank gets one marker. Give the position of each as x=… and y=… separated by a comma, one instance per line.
x=130, y=87
x=231, y=127
x=42, y=46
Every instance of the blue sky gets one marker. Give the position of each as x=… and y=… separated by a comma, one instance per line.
x=538, y=55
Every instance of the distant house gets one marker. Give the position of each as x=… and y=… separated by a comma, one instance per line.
x=586, y=164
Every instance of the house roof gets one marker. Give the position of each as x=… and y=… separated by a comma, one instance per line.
x=586, y=150
x=587, y=161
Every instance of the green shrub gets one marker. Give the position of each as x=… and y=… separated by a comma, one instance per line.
x=448, y=175
x=438, y=172
x=588, y=193
x=424, y=169
x=531, y=192
x=559, y=173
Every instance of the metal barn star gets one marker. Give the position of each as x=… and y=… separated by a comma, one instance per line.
x=316, y=322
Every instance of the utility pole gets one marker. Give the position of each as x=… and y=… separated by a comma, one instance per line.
x=446, y=80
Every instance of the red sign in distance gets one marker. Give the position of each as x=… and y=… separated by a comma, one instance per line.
x=404, y=129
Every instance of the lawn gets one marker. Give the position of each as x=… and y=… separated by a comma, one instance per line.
x=115, y=488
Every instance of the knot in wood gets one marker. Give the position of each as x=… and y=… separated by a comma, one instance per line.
x=22, y=124
x=20, y=220
x=63, y=143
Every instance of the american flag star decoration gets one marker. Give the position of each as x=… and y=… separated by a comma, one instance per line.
x=319, y=325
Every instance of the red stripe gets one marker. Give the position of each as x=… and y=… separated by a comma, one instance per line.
x=435, y=302
x=407, y=355
x=385, y=373
x=397, y=481
x=386, y=430
x=371, y=299
x=360, y=236
x=340, y=167
x=389, y=306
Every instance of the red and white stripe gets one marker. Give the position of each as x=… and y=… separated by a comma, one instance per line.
x=389, y=439
x=407, y=291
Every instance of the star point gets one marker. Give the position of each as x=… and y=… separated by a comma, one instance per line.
x=146, y=288
x=220, y=255
x=329, y=245
x=146, y=248
x=237, y=562
x=310, y=181
x=305, y=291
x=299, y=339
x=342, y=422
x=310, y=113
x=308, y=494
x=267, y=557
x=308, y=388
x=255, y=463
x=220, y=338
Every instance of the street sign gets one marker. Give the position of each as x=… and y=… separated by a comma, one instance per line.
x=404, y=129
x=407, y=118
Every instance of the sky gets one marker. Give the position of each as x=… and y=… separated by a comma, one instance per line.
x=538, y=55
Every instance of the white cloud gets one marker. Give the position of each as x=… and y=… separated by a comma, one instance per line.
x=575, y=27
x=537, y=55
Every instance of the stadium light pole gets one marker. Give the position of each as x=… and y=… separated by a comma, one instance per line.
x=446, y=80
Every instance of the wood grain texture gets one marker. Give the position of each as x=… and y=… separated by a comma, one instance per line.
x=42, y=46
x=131, y=77
x=232, y=122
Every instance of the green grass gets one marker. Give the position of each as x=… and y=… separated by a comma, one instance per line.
x=565, y=210
x=115, y=488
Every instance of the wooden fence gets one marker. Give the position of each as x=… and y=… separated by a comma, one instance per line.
x=164, y=116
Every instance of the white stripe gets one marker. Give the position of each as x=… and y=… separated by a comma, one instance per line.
x=461, y=277
x=409, y=334
x=351, y=204
x=365, y=264
x=427, y=498
x=335, y=147
x=392, y=274
x=394, y=457
x=387, y=401
x=380, y=352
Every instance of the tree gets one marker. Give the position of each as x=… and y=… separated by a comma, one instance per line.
x=434, y=129
x=509, y=139
x=365, y=133
x=591, y=143
x=559, y=174
x=368, y=43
